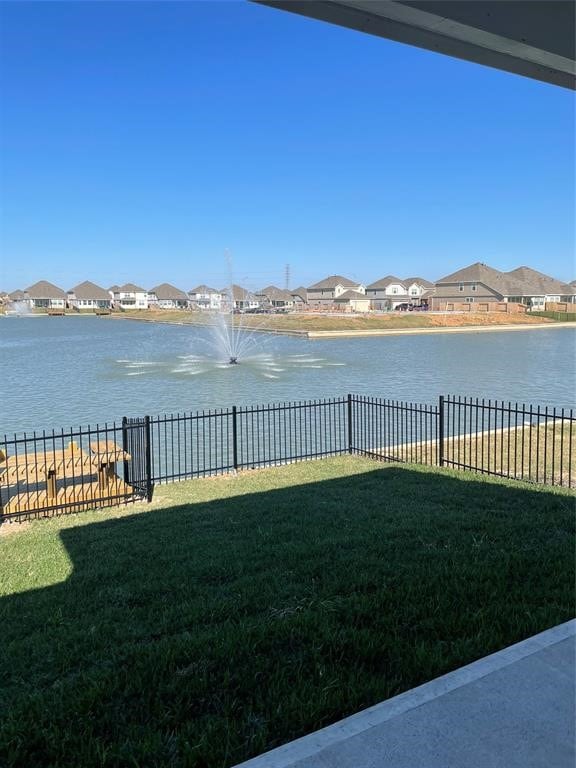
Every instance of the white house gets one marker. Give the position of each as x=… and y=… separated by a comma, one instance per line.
x=326, y=291
x=88, y=295
x=205, y=298
x=242, y=299
x=390, y=291
x=129, y=296
x=166, y=296
x=45, y=295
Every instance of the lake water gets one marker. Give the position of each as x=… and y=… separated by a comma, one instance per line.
x=78, y=370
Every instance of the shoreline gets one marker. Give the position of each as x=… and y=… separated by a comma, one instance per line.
x=336, y=333
x=366, y=332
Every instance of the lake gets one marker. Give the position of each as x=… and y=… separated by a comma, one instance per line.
x=73, y=371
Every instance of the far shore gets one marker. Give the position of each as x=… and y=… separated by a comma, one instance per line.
x=317, y=326
x=343, y=326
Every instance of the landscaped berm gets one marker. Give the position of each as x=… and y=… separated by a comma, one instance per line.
x=236, y=613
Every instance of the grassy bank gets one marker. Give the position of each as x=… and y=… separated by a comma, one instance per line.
x=318, y=322
x=237, y=613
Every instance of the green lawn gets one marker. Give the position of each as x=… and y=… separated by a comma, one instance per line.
x=234, y=614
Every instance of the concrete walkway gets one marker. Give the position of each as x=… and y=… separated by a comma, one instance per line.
x=513, y=709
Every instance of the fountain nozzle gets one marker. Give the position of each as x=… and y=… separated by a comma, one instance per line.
x=233, y=361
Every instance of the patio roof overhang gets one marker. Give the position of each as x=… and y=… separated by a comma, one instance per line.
x=533, y=38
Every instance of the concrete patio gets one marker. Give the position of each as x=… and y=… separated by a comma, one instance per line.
x=513, y=709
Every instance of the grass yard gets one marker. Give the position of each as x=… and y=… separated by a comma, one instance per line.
x=236, y=613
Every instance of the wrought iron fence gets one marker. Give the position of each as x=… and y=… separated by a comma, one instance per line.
x=69, y=470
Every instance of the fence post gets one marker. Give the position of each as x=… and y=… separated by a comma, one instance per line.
x=234, y=439
x=441, y=431
x=125, y=449
x=350, y=430
x=148, y=459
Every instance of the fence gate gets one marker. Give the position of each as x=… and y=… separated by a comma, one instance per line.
x=136, y=443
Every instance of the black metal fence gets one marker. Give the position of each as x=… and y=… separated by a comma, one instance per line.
x=69, y=470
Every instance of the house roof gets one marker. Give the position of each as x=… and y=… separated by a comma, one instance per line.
x=275, y=294
x=167, y=292
x=300, y=291
x=332, y=281
x=538, y=283
x=45, y=290
x=88, y=290
x=420, y=280
x=351, y=296
x=131, y=288
x=522, y=281
x=17, y=295
x=239, y=293
x=384, y=282
x=114, y=289
x=203, y=289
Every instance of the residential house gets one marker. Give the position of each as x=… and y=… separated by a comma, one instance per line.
x=275, y=298
x=390, y=291
x=129, y=296
x=166, y=296
x=17, y=295
x=88, y=295
x=353, y=301
x=299, y=297
x=4, y=297
x=323, y=293
x=205, y=298
x=45, y=295
x=481, y=283
x=242, y=299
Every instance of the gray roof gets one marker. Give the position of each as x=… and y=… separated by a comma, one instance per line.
x=88, y=290
x=17, y=295
x=332, y=281
x=522, y=281
x=300, y=291
x=351, y=295
x=167, y=292
x=384, y=282
x=131, y=288
x=203, y=289
x=239, y=293
x=420, y=280
x=114, y=288
x=275, y=294
x=45, y=290
x=538, y=283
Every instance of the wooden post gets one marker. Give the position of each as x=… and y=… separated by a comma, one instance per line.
x=51, y=485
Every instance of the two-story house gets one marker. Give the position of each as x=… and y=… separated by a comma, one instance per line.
x=129, y=296
x=390, y=291
x=88, y=295
x=166, y=296
x=480, y=283
x=205, y=298
x=324, y=293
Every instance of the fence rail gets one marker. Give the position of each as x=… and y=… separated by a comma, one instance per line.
x=70, y=470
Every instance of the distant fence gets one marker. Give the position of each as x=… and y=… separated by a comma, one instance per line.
x=70, y=470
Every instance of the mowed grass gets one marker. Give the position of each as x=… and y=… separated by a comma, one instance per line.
x=236, y=613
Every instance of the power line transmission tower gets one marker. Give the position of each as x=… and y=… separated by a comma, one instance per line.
x=287, y=278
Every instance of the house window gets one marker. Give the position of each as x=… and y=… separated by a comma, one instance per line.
x=469, y=299
x=460, y=288
x=473, y=287
x=394, y=290
x=414, y=292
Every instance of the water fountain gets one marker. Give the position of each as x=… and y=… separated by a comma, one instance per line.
x=18, y=309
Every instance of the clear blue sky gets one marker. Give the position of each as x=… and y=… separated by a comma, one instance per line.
x=140, y=140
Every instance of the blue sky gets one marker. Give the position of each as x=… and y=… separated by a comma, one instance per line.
x=141, y=140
